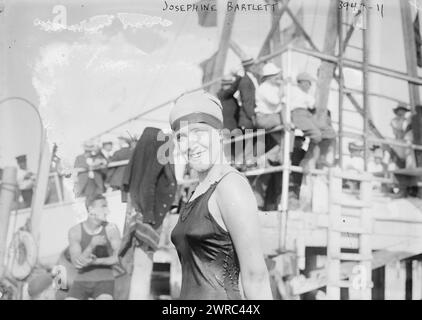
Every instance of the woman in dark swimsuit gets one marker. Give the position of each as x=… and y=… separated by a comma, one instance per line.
x=217, y=236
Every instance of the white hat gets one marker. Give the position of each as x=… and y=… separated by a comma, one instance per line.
x=270, y=69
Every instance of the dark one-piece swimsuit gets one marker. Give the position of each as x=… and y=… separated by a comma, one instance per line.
x=210, y=267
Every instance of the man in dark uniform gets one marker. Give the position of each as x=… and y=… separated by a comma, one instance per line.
x=229, y=86
x=115, y=174
x=93, y=246
x=247, y=87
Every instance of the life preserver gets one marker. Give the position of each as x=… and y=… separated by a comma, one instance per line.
x=22, y=255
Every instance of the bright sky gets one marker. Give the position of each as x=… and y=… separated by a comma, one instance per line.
x=129, y=56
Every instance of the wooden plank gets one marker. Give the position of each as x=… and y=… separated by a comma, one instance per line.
x=220, y=58
x=237, y=50
x=40, y=191
x=416, y=280
x=412, y=172
x=265, y=49
x=395, y=281
x=326, y=70
x=319, y=279
x=410, y=50
x=333, y=237
x=354, y=257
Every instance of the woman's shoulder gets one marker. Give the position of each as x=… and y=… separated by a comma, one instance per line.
x=227, y=170
x=230, y=177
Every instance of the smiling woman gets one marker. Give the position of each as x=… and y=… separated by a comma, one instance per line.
x=217, y=235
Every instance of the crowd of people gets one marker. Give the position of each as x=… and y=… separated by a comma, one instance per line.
x=256, y=97
x=92, y=174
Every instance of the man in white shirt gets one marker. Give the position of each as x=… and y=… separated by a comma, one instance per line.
x=269, y=106
x=355, y=161
x=301, y=103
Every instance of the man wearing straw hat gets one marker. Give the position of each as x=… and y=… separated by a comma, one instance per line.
x=269, y=106
x=400, y=124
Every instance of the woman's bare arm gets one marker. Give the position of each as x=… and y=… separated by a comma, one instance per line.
x=238, y=209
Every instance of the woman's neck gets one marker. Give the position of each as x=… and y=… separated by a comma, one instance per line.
x=205, y=175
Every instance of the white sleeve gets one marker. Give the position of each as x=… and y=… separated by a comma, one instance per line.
x=268, y=95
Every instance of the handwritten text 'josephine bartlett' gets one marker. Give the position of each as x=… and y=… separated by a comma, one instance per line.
x=197, y=7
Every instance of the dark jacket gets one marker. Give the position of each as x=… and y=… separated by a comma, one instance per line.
x=247, y=97
x=115, y=175
x=151, y=184
x=230, y=105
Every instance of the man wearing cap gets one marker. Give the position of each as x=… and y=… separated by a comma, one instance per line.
x=400, y=124
x=247, y=88
x=26, y=181
x=107, y=148
x=89, y=177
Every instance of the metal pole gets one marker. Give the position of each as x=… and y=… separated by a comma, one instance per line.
x=8, y=190
x=340, y=86
x=365, y=66
x=286, y=160
x=358, y=65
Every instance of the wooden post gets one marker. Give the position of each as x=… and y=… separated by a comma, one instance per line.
x=416, y=280
x=237, y=50
x=365, y=74
x=340, y=85
x=40, y=191
x=334, y=236
x=285, y=153
x=276, y=17
x=365, y=248
x=276, y=37
x=395, y=281
x=326, y=69
x=410, y=51
x=8, y=190
x=220, y=58
x=3, y=53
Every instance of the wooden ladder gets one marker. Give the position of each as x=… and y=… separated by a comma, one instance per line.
x=340, y=229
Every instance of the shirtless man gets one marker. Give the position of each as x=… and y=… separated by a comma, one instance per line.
x=94, y=245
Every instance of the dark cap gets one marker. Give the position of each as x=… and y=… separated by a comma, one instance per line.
x=248, y=62
x=401, y=106
x=227, y=80
x=21, y=158
x=353, y=146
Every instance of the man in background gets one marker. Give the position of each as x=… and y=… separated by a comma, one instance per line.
x=26, y=181
x=247, y=88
